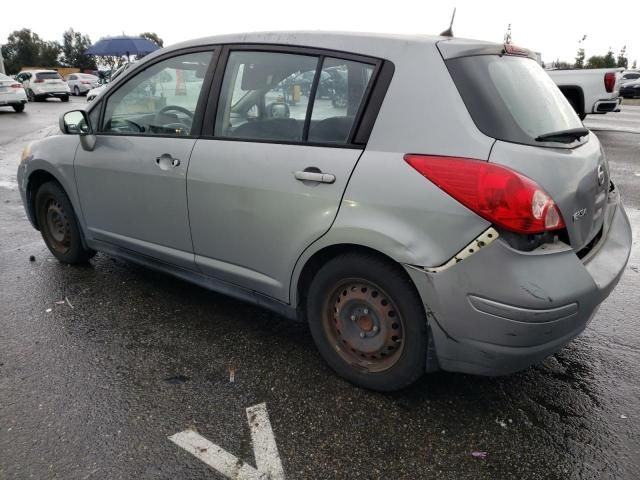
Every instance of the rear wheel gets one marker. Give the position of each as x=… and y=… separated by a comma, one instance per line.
x=18, y=107
x=368, y=322
x=58, y=224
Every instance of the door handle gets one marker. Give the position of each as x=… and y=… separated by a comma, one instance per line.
x=166, y=161
x=314, y=176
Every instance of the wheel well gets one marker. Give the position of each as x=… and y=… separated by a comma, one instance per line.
x=575, y=95
x=321, y=257
x=36, y=179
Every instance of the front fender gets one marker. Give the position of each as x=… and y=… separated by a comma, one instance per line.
x=53, y=156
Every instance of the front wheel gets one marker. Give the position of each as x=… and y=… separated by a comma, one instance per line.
x=76, y=91
x=59, y=226
x=368, y=322
x=19, y=107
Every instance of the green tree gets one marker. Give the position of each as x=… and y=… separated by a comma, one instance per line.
x=153, y=37
x=49, y=53
x=609, y=59
x=622, y=60
x=22, y=49
x=580, y=55
x=602, y=61
x=74, y=47
x=579, y=59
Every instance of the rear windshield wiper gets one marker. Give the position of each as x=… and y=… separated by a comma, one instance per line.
x=563, y=136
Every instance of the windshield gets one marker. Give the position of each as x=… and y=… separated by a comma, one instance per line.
x=511, y=98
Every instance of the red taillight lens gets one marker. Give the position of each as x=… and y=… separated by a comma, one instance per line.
x=16, y=85
x=86, y=82
x=609, y=81
x=504, y=197
x=38, y=81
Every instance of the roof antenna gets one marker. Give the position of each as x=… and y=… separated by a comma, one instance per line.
x=449, y=31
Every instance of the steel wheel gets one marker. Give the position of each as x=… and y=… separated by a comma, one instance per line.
x=363, y=325
x=56, y=227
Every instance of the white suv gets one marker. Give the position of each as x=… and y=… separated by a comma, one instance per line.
x=40, y=84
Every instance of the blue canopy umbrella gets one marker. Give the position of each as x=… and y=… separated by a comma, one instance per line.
x=122, y=45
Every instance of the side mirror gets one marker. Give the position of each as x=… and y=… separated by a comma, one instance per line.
x=277, y=110
x=75, y=122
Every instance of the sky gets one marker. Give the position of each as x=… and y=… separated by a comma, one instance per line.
x=552, y=28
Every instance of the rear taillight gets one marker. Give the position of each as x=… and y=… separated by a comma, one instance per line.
x=16, y=85
x=502, y=196
x=38, y=80
x=609, y=81
x=86, y=82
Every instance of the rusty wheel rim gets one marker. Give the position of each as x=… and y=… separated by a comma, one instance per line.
x=57, y=226
x=363, y=325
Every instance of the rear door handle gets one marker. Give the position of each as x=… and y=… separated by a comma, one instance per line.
x=306, y=176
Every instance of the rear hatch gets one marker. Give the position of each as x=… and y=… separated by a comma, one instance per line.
x=512, y=99
x=49, y=81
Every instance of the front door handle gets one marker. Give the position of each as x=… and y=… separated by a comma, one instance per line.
x=313, y=176
x=166, y=161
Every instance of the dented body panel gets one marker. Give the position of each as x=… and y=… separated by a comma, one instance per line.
x=501, y=310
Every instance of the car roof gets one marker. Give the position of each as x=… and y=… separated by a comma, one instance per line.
x=353, y=42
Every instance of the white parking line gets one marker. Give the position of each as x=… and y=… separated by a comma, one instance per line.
x=264, y=448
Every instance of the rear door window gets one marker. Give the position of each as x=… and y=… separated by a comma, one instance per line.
x=287, y=97
x=265, y=95
x=341, y=89
x=511, y=98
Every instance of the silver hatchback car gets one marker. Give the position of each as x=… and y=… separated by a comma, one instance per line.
x=436, y=205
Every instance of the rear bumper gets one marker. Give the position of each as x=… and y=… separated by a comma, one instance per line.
x=50, y=93
x=501, y=310
x=604, y=106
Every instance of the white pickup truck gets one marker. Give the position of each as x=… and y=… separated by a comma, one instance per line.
x=590, y=90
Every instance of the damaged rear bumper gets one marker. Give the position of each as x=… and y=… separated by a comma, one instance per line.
x=501, y=310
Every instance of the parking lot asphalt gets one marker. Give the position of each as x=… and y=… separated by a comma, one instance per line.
x=100, y=364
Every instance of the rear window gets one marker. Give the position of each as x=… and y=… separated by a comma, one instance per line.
x=511, y=98
x=48, y=76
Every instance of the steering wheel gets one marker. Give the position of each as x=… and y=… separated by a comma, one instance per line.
x=169, y=108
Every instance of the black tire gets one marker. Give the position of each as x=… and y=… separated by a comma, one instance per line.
x=59, y=226
x=374, y=282
x=76, y=91
x=65, y=98
x=18, y=107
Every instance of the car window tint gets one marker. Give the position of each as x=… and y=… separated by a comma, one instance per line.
x=265, y=95
x=48, y=76
x=160, y=100
x=340, y=92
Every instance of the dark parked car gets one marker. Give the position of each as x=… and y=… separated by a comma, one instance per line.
x=630, y=90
